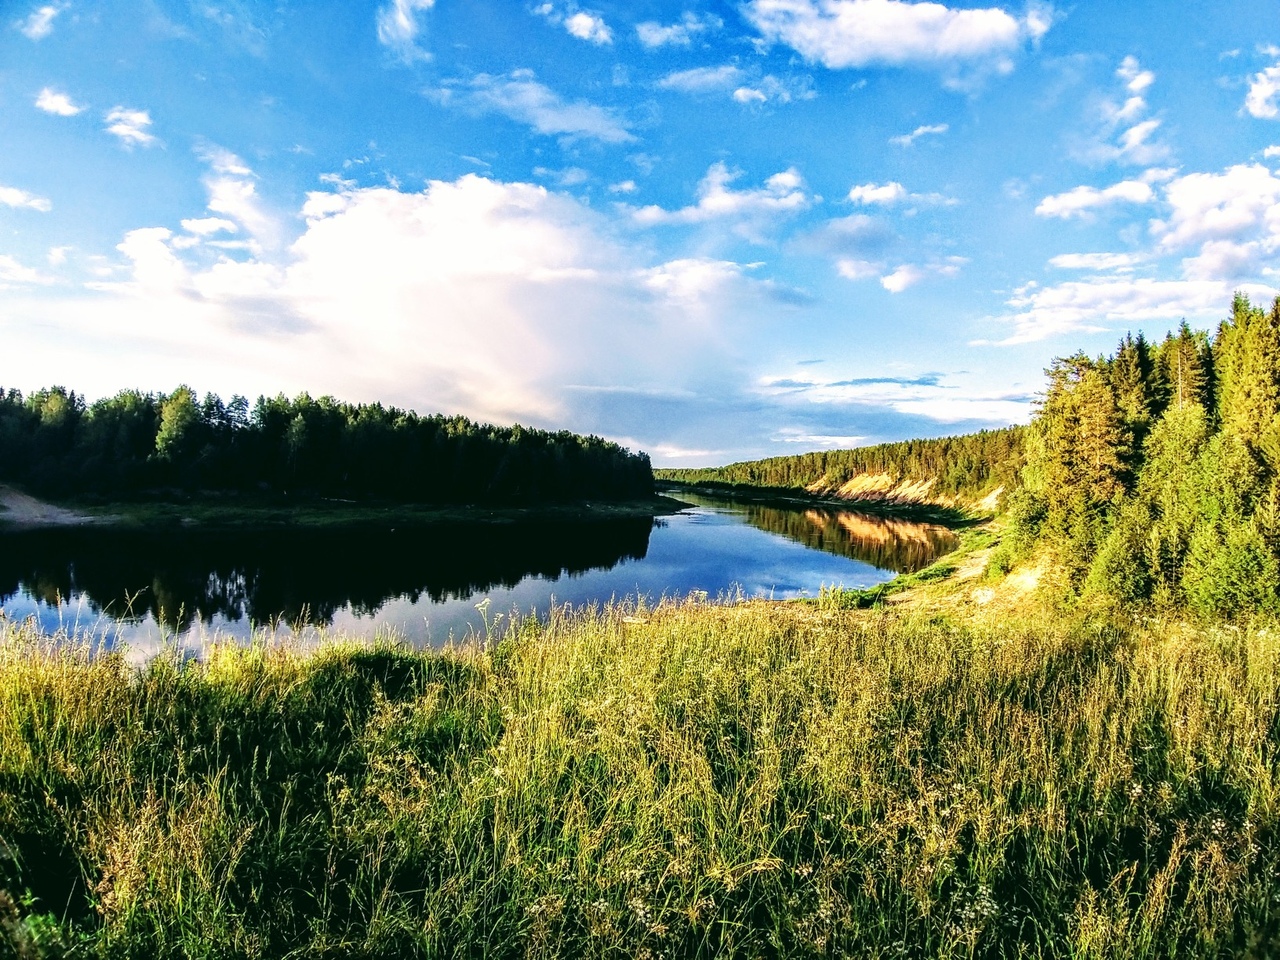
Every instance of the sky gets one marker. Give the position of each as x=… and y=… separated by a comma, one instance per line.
x=710, y=231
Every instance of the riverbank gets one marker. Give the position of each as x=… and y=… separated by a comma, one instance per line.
x=919, y=511
x=221, y=511
x=687, y=780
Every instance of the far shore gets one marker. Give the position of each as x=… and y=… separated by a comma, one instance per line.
x=21, y=511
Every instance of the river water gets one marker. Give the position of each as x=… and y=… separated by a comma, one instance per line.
x=183, y=587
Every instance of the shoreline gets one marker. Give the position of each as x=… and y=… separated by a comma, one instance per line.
x=20, y=512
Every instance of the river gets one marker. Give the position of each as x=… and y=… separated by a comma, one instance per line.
x=183, y=587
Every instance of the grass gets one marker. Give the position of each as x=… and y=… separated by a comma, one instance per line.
x=691, y=780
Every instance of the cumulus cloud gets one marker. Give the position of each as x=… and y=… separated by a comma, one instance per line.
x=842, y=34
x=130, y=126
x=1083, y=200
x=875, y=193
x=782, y=194
x=1264, y=90
x=470, y=296
x=39, y=23
x=22, y=200
x=589, y=27
x=205, y=226
x=653, y=35
x=522, y=98
x=59, y=104
x=927, y=130
x=398, y=27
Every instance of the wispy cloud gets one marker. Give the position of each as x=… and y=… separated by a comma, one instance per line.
x=927, y=130
x=59, y=104
x=522, y=98
x=398, y=28
x=21, y=199
x=782, y=194
x=130, y=126
x=653, y=35
x=39, y=23
x=748, y=88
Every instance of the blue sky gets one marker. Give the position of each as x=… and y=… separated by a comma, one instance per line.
x=710, y=231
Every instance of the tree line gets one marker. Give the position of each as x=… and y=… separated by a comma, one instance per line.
x=1154, y=473
x=968, y=466
x=54, y=442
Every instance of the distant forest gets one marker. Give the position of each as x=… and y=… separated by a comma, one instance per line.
x=55, y=443
x=968, y=466
x=1154, y=473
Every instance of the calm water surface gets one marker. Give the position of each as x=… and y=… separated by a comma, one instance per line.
x=182, y=587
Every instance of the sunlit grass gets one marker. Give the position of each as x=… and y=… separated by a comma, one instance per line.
x=689, y=780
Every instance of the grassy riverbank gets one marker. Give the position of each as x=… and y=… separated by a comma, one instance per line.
x=691, y=780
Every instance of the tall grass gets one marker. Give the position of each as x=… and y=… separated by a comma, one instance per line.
x=691, y=780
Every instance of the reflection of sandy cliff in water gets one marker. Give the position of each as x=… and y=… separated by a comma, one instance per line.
x=886, y=543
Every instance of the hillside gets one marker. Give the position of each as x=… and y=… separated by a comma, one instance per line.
x=970, y=470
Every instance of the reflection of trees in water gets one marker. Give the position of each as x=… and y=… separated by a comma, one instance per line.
x=883, y=542
x=300, y=574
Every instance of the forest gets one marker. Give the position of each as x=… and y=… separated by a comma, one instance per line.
x=54, y=442
x=1154, y=474
x=968, y=466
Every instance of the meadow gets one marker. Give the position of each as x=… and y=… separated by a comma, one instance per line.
x=687, y=780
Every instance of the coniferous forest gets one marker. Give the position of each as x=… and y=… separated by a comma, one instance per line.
x=55, y=443
x=1154, y=474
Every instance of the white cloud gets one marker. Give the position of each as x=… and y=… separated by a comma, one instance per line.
x=1082, y=200
x=1093, y=305
x=39, y=24
x=928, y=396
x=206, y=226
x=1240, y=204
x=130, y=126
x=234, y=194
x=1095, y=261
x=703, y=79
x=59, y=104
x=12, y=272
x=1264, y=89
x=57, y=256
x=525, y=100
x=1271, y=153
x=653, y=35
x=21, y=199
x=589, y=27
x=623, y=186
x=874, y=193
x=782, y=194
x=909, y=274
x=853, y=269
x=1124, y=137
x=927, y=130
x=472, y=296
x=398, y=27
x=745, y=88
x=860, y=33
x=1136, y=79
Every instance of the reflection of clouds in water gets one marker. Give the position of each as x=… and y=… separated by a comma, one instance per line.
x=719, y=549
